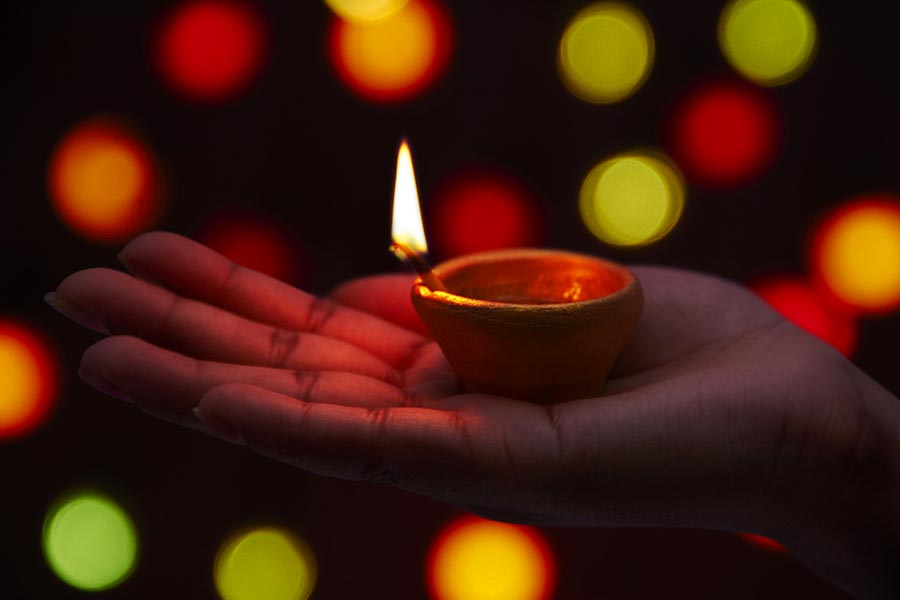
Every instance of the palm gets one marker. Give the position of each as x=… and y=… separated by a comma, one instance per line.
x=352, y=387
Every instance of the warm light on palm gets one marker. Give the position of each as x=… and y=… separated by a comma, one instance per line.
x=718, y=407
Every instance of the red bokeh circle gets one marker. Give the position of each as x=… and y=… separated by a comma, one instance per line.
x=256, y=241
x=725, y=133
x=763, y=542
x=210, y=50
x=800, y=303
x=483, y=210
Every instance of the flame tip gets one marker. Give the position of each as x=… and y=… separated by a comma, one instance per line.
x=407, y=226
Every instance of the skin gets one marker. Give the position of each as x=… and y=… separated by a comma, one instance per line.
x=719, y=414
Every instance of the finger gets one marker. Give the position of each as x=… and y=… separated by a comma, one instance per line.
x=130, y=306
x=170, y=385
x=411, y=446
x=195, y=271
x=367, y=295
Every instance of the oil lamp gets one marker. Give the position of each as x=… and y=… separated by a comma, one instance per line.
x=534, y=324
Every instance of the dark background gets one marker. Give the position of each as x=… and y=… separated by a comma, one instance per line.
x=306, y=150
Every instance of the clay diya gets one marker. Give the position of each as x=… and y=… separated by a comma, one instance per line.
x=539, y=325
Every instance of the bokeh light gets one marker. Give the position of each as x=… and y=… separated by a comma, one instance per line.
x=257, y=241
x=606, y=52
x=103, y=181
x=799, y=302
x=855, y=254
x=770, y=42
x=394, y=58
x=28, y=379
x=476, y=559
x=724, y=134
x=210, y=50
x=632, y=199
x=365, y=10
x=265, y=563
x=763, y=542
x=89, y=541
x=483, y=209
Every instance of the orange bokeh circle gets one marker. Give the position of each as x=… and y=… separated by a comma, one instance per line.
x=30, y=379
x=394, y=58
x=460, y=539
x=103, y=181
x=854, y=254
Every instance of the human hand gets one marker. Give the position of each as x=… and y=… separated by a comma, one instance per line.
x=719, y=414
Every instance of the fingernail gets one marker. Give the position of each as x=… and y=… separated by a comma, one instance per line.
x=77, y=314
x=220, y=427
x=104, y=386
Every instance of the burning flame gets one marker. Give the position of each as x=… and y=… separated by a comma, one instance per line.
x=407, y=226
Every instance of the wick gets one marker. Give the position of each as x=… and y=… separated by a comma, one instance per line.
x=420, y=265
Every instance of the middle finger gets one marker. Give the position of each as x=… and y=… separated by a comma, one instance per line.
x=170, y=385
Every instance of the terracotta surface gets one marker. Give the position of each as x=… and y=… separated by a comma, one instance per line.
x=540, y=325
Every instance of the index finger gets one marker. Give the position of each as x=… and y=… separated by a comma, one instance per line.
x=193, y=270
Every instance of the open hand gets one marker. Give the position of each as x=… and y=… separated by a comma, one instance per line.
x=719, y=414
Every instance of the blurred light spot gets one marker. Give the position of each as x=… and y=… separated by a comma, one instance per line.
x=365, y=10
x=770, y=42
x=264, y=564
x=210, y=50
x=475, y=559
x=724, y=134
x=632, y=199
x=606, y=52
x=763, y=542
x=855, y=253
x=484, y=210
x=396, y=57
x=90, y=542
x=28, y=379
x=799, y=303
x=256, y=241
x=103, y=182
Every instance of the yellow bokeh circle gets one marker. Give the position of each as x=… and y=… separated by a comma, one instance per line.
x=606, y=52
x=476, y=559
x=365, y=10
x=632, y=199
x=856, y=254
x=265, y=563
x=770, y=42
x=89, y=541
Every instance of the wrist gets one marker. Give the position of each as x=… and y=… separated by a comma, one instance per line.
x=846, y=523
